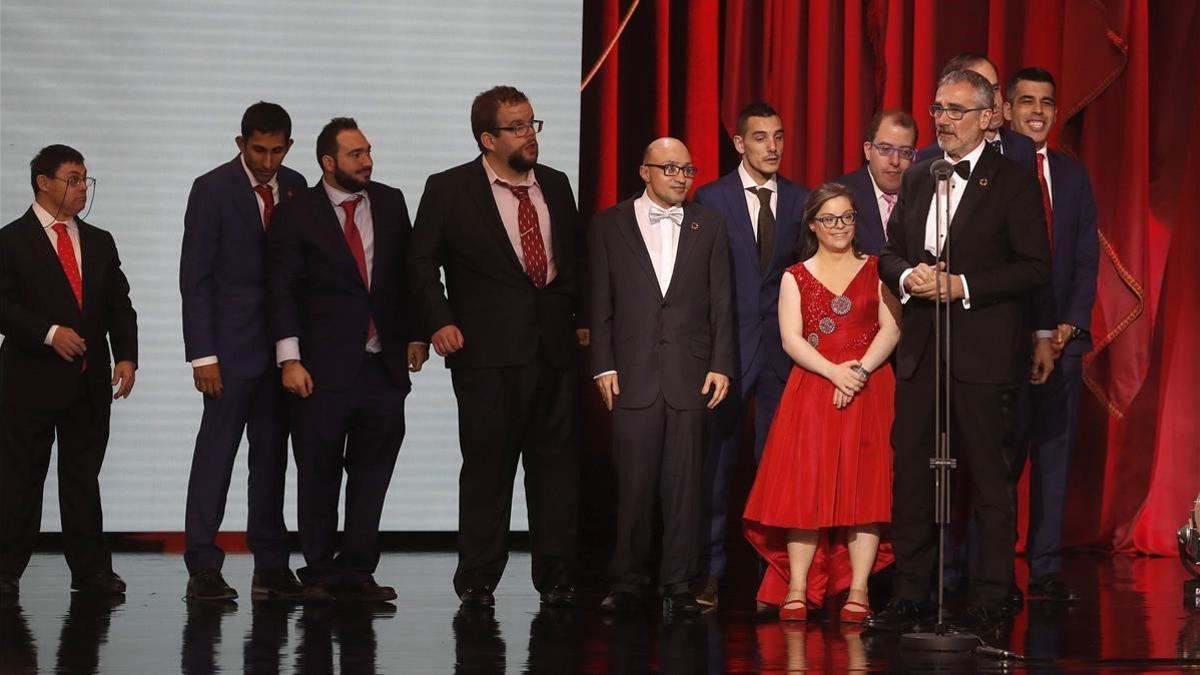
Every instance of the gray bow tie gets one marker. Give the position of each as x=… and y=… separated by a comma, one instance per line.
x=674, y=214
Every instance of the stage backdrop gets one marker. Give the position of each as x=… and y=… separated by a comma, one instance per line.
x=152, y=95
x=1128, y=103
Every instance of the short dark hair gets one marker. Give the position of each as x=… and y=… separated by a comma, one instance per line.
x=48, y=159
x=486, y=107
x=756, y=109
x=1029, y=74
x=266, y=118
x=900, y=118
x=964, y=61
x=327, y=139
x=816, y=199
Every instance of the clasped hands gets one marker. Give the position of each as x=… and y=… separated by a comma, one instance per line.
x=610, y=388
x=846, y=380
x=924, y=283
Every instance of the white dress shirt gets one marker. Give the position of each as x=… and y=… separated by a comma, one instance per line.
x=752, y=201
x=48, y=222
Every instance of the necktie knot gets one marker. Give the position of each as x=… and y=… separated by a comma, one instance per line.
x=521, y=191
x=963, y=169
x=889, y=198
x=673, y=214
x=349, y=205
x=59, y=228
x=267, y=194
x=763, y=194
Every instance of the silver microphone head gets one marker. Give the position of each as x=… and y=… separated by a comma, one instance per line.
x=941, y=169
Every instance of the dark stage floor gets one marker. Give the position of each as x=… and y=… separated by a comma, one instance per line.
x=1131, y=618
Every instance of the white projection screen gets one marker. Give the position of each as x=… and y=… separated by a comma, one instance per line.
x=152, y=93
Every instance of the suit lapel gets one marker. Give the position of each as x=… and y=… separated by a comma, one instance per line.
x=481, y=191
x=559, y=237
x=688, y=233
x=976, y=189
x=627, y=222
x=741, y=228
x=1058, y=186
x=783, y=220
x=920, y=214
x=89, y=251
x=384, y=235
x=244, y=198
x=42, y=249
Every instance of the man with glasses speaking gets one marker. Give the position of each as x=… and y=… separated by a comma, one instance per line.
x=63, y=301
x=503, y=229
x=889, y=149
x=998, y=255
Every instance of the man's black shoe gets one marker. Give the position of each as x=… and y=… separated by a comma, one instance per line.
x=680, y=603
x=1051, y=588
x=899, y=616
x=368, y=591
x=319, y=591
x=980, y=619
x=559, y=596
x=477, y=597
x=209, y=585
x=102, y=583
x=620, y=602
x=280, y=583
x=9, y=588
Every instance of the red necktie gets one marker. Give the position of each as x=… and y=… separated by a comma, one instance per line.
x=268, y=200
x=1046, y=207
x=354, y=241
x=70, y=266
x=532, y=245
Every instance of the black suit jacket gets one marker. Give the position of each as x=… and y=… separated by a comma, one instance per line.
x=35, y=294
x=661, y=345
x=314, y=290
x=869, y=231
x=502, y=315
x=997, y=239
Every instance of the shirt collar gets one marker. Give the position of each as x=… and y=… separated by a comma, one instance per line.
x=875, y=186
x=972, y=156
x=338, y=196
x=492, y=176
x=747, y=182
x=48, y=220
x=273, y=183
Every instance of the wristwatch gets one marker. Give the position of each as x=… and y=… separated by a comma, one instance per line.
x=1076, y=331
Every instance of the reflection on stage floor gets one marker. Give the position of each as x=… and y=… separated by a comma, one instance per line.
x=1130, y=618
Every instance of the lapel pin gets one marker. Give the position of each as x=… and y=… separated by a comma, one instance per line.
x=983, y=182
x=695, y=225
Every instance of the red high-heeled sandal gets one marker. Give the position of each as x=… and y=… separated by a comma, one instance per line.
x=854, y=612
x=793, y=610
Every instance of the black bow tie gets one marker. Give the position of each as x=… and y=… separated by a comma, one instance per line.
x=963, y=169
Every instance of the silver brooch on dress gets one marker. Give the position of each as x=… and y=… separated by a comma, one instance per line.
x=826, y=325
x=840, y=305
x=814, y=339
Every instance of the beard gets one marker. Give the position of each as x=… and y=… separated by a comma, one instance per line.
x=348, y=180
x=519, y=162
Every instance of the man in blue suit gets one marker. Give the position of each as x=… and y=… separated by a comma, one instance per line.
x=889, y=149
x=1049, y=418
x=762, y=212
x=222, y=281
x=1011, y=144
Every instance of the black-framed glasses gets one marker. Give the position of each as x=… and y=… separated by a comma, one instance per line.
x=688, y=171
x=830, y=221
x=521, y=128
x=953, y=112
x=74, y=181
x=887, y=149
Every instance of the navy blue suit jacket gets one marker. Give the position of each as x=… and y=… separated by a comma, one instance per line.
x=1074, y=252
x=869, y=233
x=756, y=291
x=222, y=270
x=1017, y=147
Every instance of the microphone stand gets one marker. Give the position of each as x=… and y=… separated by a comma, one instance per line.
x=941, y=463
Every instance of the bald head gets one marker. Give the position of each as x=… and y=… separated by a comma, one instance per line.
x=663, y=156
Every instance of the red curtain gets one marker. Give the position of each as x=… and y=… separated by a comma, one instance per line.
x=1127, y=104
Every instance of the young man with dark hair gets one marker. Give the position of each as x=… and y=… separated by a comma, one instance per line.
x=63, y=301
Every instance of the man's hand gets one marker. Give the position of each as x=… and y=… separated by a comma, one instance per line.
x=447, y=340
x=584, y=335
x=123, y=377
x=67, y=343
x=607, y=384
x=720, y=388
x=418, y=354
x=1062, y=335
x=208, y=380
x=921, y=279
x=1043, y=361
x=296, y=379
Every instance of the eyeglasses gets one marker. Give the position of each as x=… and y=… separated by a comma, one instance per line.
x=688, y=171
x=904, y=151
x=953, y=112
x=74, y=181
x=830, y=221
x=521, y=128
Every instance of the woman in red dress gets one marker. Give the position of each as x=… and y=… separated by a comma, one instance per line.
x=823, y=486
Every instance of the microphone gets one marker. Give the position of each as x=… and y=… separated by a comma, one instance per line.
x=941, y=169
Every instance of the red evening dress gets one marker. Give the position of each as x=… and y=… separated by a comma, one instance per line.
x=823, y=467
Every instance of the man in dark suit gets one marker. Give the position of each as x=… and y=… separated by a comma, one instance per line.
x=346, y=334
x=889, y=149
x=761, y=211
x=63, y=300
x=999, y=256
x=1049, y=420
x=663, y=353
x=222, y=278
x=1007, y=142
x=504, y=230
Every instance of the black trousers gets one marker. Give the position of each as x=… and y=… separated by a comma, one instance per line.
x=26, y=438
x=658, y=453
x=255, y=406
x=357, y=431
x=980, y=417
x=525, y=413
